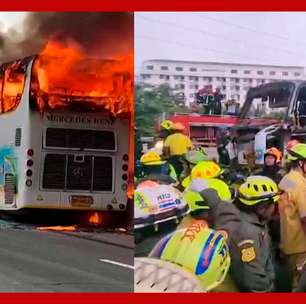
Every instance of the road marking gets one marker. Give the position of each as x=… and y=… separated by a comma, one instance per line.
x=117, y=263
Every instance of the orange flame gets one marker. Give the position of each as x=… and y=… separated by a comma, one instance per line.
x=63, y=69
x=12, y=79
x=95, y=219
x=57, y=228
x=62, y=74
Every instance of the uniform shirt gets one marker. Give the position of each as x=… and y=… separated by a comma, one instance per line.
x=178, y=144
x=252, y=265
x=293, y=238
x=273, y=172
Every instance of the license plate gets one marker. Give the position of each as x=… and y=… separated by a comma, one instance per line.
x=81, y=201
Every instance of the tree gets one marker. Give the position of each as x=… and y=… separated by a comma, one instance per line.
x=151, y=103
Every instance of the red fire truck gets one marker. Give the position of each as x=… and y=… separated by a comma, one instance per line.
x=204, y=130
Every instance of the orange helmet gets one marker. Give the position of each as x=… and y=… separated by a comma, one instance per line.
x=178, y=126
x=291, y=143
x=276, y=153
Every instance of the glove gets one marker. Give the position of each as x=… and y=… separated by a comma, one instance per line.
x=211, y=197
x=198, y=185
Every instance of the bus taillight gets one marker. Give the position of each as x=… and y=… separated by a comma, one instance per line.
x=125, y=157
x=29, y=172
x=28, y=182
x=125, y=167
x=30, y=152
x=30, y=162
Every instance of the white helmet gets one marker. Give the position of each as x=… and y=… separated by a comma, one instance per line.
x=154, y=275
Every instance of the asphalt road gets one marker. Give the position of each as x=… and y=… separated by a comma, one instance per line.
x=32, y=260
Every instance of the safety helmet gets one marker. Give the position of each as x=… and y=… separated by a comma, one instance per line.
x=199, y=250
x=166, y=124
x=178, y=126
x=195, y=156
x=155, y=275
x=291, y=143
x=206, y=169
x=258, y=189
x=297, y=152
x=151, y=158
x=276, y=153
x=195, y=200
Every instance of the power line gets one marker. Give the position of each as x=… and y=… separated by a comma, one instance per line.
x=276, y=36
x=218, y=36
x=190, y=46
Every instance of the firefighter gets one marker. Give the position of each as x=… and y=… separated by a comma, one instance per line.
x=204, y=169
x=208, y=172
x=156, y=169
x=199, y=209
x=272, y=162
x=222, y=141
x=166, y=127
x=175, y=146
x=245, y=222
x=291, y=143
x=165, y=131
x=292, y=209
x=191, y=159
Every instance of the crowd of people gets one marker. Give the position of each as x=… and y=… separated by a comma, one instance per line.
x=242, y=234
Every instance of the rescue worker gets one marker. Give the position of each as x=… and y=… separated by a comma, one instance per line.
x=196, y=249
x=191, y=159
x=246, y=224
x=166, y=128
x=175, y=146
x=165, y=131
x=222, y=141
x=204, y=169
x=156, y=169
x=292, y=209
x=272, y=162
x=272, y=169
x=291, y=143
x=199, y=209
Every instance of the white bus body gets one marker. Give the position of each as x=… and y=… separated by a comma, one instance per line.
x=62, y=160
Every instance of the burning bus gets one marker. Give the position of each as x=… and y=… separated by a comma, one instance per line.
x=66, y=124
x=272, y=114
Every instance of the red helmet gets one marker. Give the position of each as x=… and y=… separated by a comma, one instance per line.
x=291, y=143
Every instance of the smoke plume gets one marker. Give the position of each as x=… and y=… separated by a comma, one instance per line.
x=103, y=35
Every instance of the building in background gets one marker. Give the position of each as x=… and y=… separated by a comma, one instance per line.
x=234, y=80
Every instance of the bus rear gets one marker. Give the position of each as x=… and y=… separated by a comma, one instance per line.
x=65, y=149
x=76, y=161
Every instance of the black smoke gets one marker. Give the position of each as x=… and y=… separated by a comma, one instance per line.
x=99, y=34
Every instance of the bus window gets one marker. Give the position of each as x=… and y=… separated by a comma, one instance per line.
x=54, y=171
x=12, y=84
x=78, y=172
x=80, y=139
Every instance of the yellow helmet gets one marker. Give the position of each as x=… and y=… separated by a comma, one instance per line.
x=297, y=152
x=206, y=169
x=195, y=156
x=199, y=250
x=166, y=124
x=151, y=158
x=195, y=200
x=258, y=189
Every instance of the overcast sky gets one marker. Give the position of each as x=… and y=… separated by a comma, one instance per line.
x=267, y=38
x=258, y=38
